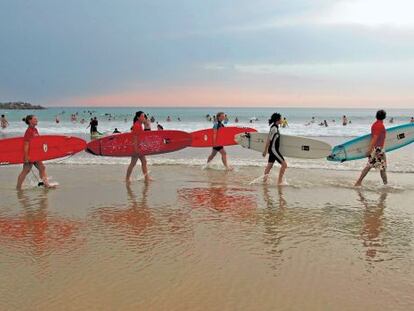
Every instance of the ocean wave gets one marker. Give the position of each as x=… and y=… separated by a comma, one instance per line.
x=395, y=167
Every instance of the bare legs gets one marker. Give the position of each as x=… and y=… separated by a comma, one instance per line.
x=26, y=170
x=22, y=176
x=283, y=167
x=223, y=157
x=364, y=173
x=132, y=164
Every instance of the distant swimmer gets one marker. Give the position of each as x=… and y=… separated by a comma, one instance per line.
x=152, y=119
x=168, y=119
x=324, y=123
x=272, y=147
x=179, y=119
x=391, y=120
x=217, y=126
x=93, y=124
x=3, y=121
x=160, y=127
x=31, y=132
x=226, y=119
x=412, y=120
x=311, y=121
x=116, y=131
x=147, y=124
x=285, y=123
x=344, y=120
x=376, y=153
x=136, y=129
x=236, y=120
x=57, y=120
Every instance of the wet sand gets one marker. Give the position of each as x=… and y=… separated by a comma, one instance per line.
x=196, y=239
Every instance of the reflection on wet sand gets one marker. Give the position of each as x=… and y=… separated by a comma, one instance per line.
x=273, y=219
x=36, y=230
x=134, y=219
x=373, y=225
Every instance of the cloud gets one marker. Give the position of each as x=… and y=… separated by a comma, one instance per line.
x=53, y=51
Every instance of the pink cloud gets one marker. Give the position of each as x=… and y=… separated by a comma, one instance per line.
x=242, y=97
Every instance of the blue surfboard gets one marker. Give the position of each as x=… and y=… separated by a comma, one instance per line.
x=355, y=149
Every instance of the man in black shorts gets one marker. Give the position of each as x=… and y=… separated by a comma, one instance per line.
x=217, y=125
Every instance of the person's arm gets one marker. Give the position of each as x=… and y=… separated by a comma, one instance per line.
x=214, y=137
x=266, y=147
x=372, y=144
x=267, y=143
x=26, y=152
x=135, y=142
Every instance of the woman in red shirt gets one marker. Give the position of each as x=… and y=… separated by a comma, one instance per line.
x=376, y=152
x=31, y=132
x=139, y=120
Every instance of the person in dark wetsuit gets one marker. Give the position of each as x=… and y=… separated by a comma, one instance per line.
x=272, y=147
x=217, y=126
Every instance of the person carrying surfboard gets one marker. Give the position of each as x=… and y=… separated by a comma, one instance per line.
x=139, y=120
x=217, y=126
x=31, y=132
x=272, y=147
x=376, y=153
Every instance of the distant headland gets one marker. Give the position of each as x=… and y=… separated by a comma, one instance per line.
x=20, y=106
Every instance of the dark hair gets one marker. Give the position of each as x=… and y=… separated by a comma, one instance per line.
x=2, y=115
x=381, y=114
x=28, y=118
x=137, y=115
x=274, y=118
x=219, y=114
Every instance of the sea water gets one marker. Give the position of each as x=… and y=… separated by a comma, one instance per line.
x=191, y=119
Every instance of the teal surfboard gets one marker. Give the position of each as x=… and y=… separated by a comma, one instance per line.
x=355, y=149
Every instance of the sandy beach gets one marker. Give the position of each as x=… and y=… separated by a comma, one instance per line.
x=197, y=239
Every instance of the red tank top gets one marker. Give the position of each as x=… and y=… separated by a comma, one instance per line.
x=378, y=129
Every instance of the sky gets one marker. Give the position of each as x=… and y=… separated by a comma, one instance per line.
x=243, y=53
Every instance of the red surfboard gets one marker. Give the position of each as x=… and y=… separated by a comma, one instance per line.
x=225, y=136
x=149, y=142
x=41, y=148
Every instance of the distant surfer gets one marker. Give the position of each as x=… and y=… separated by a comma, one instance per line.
x=4, y=122
x=93, y=124
x=272, y=147
x=30, y=133
x=139, y=120
x=216, y=148
x=285, y=123
x=344, y=120
x=376, y=153
x=147, y=124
